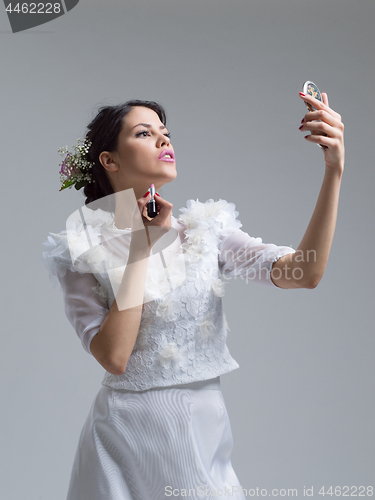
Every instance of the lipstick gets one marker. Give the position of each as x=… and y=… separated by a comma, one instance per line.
x=151, y=205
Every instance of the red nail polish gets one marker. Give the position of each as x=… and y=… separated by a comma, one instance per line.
x=306, y=136
x=302, y=94
x=300, y=127
x=302, y=120
x=145, y=195
x=157, y=194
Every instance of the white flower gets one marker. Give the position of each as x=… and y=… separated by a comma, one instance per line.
x=223, y=217
x=207, y=328
x=168, y=310
x=218, y=287
x=169, y=355
x=213, y=208
x=205, y=214
x=195, y=245
x=75, y=168
x=195, y=239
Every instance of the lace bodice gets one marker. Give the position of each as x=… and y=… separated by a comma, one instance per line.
x=183, y=329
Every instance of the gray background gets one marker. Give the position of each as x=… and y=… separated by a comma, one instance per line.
x=228, y=72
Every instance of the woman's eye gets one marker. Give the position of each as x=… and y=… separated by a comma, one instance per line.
x=140, y=133
x=145, y=132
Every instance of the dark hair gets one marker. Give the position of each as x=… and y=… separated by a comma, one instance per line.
x=103, y=132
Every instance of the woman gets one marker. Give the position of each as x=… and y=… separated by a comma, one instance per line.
x=144, y=296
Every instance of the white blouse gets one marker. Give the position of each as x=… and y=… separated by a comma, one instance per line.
x=183, y=329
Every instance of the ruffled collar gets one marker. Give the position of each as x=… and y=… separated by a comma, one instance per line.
x=217, y=215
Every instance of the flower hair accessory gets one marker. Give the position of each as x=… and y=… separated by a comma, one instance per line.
x=75, y=168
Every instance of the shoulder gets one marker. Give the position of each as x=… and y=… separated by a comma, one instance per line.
x=219, y=216
x=56, y=256
x=56, y=246
x=77, y=246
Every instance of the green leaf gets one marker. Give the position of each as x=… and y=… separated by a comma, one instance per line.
x=80, y=185
x=66, y=184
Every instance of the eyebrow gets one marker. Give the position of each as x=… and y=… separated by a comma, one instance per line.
x=147, y=125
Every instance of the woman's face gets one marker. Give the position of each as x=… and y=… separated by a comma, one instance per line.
x=140, y=154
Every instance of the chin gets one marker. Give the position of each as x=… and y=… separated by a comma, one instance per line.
x=169, y=176
x=174, y=175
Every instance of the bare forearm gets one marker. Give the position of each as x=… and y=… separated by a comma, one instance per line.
x=115, y=340
x=313, y=251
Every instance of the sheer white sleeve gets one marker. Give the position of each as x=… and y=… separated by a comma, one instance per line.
x=249, y=258
x=238, y=253
x=84, y=298
x=84, y=305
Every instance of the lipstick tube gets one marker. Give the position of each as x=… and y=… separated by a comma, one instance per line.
x=151, y=205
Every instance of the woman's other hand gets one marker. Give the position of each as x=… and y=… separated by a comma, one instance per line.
x=330, y=125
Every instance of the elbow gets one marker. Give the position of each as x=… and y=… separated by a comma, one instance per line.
x=309, y=277
x=112, y=364
x=311, y=286
x=115, y=371
x=116, y=366
x=312, y=282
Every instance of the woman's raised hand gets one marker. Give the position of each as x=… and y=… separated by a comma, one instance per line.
x=331, y=125
x=154, y=228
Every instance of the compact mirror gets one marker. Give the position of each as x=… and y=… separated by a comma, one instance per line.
x=309, y=88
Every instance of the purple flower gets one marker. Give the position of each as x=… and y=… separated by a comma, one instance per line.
x=64, y=166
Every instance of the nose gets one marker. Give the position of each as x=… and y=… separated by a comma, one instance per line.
x=163, y=140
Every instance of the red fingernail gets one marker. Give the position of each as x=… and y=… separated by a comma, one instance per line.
x=306, y=136
x=302, y=120
x=157, y=194
x=145, y=195
x=302, y=94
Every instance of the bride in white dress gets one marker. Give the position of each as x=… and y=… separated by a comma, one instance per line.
x=145, y=298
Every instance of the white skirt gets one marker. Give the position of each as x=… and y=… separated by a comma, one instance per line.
x=149, y=445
